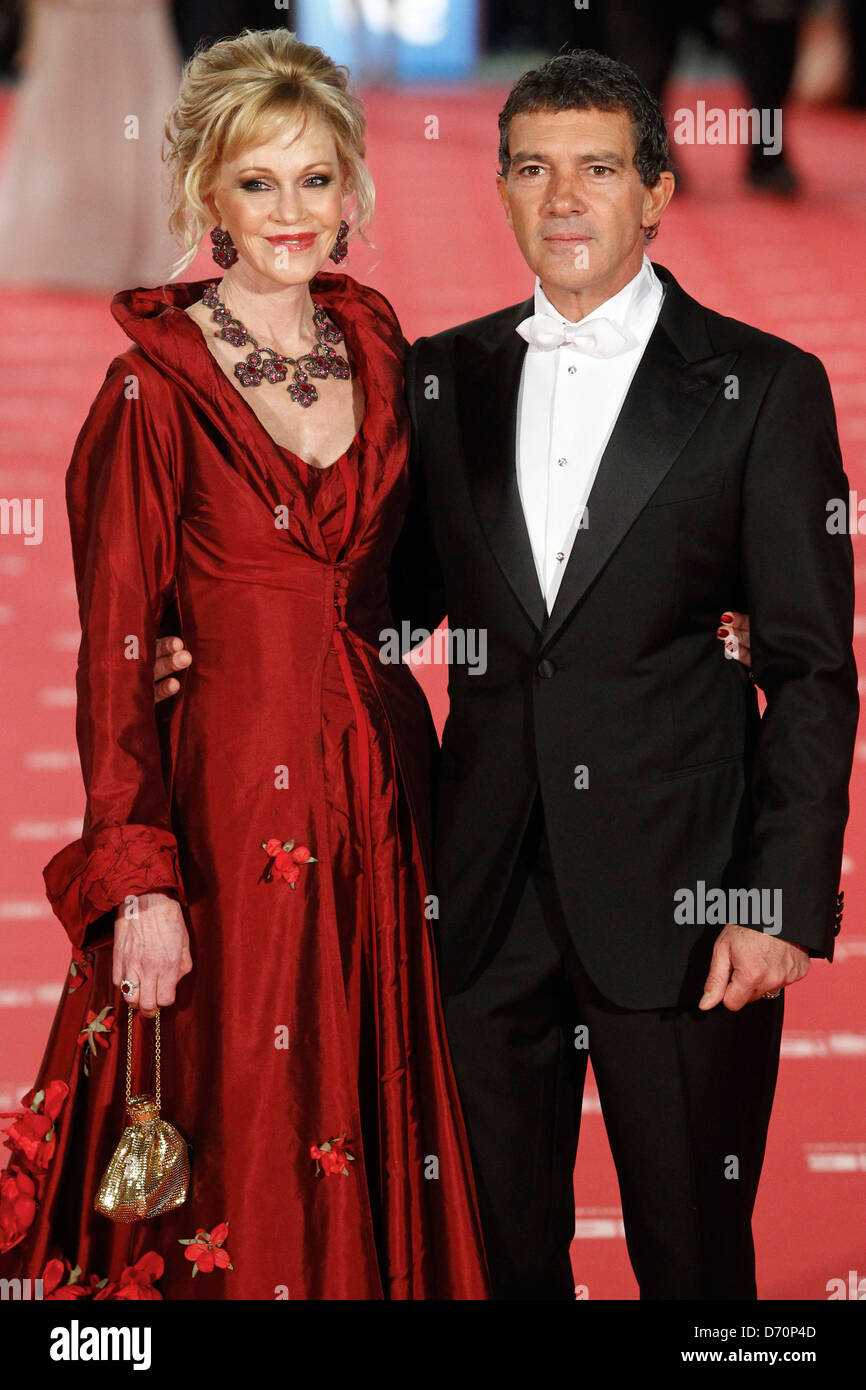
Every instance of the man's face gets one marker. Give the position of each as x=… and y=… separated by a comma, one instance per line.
x=575, y=202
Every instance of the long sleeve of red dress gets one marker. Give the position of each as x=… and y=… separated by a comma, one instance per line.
x=123, y=518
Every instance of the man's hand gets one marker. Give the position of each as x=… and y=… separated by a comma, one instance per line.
x=747, y=964
x=151, y=950
x=171, y=655
x=734, y=632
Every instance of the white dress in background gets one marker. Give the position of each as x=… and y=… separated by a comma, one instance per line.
x=82, y=205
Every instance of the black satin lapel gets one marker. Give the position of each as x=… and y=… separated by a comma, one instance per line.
x=663, y=407
x=487, y=383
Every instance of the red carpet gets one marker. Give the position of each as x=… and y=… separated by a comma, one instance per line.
x=444, y=254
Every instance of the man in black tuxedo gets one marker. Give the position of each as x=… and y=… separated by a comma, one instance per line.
x=597, y=472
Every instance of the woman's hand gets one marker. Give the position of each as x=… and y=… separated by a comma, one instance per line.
x=171, y=655
x=151, y=950
x=734, y=632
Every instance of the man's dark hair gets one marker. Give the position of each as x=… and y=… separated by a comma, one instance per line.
x=584, y=80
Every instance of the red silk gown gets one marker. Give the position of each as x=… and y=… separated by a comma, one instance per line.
x=312, y=1011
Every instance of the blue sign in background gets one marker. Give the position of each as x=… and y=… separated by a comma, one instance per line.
x=408, y=39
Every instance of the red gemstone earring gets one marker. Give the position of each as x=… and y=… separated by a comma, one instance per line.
x=339, y=250
x=224, y=252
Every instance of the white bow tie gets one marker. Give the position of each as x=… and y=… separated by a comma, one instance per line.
x=596, y=337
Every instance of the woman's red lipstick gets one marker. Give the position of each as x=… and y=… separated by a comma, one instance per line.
x=301, y=241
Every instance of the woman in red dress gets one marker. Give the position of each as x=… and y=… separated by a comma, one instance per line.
x=303, y=1045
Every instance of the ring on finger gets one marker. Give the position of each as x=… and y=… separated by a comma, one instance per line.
x=128, y=988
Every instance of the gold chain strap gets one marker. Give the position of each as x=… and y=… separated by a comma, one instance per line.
x=129, y=1018
x=128, y=1054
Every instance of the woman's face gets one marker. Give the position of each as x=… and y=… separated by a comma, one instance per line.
x=282, y=203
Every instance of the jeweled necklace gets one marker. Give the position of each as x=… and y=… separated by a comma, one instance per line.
x=322, y=361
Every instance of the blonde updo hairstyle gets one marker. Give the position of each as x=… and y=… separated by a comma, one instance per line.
x=238, y=94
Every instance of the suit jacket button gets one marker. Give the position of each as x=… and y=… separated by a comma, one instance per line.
x=546, y=667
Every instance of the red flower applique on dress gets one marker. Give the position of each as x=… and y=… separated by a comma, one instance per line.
x=32, y=1139
x=32, y=1130
x=18, y=1195
x=79, y=968
x=332, y=1157
x=98, y=1028
x=136, y=1281
x=285, y=860
x=76, y=1285
x=206, y=1251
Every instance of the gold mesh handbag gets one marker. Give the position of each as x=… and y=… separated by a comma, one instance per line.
x=149, y=1170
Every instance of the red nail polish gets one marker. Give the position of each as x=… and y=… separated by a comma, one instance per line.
x=722, y=632
x=727, y=617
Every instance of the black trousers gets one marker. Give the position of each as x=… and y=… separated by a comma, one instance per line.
x=686, y=1099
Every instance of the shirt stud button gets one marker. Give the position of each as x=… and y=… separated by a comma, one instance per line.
x=572, y=369
x=562, y=462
